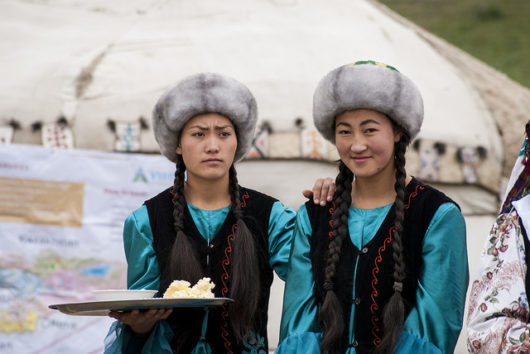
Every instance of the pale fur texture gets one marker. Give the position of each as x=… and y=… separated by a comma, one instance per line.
x=367, y=86
x=199, y=94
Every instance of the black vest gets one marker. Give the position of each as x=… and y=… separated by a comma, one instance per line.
x=186, y=323
x=374, y=280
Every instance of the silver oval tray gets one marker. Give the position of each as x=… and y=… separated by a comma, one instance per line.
x=102, y=308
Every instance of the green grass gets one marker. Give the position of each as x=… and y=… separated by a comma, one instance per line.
x=494, y=31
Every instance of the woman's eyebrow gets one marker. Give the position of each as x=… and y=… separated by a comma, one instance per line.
x=222, y=127
x=201, y=127
x=368, y=121
x=343, y=123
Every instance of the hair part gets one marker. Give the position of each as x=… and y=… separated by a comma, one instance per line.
x=331, y=313
x=394, y=310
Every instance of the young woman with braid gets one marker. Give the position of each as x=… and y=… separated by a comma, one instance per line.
x=382, y=268
x=205, y=225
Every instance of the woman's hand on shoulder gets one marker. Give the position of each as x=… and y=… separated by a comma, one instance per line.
x=141, y=321
x=322, y=192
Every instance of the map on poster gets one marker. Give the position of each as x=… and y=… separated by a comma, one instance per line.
x=61, y=219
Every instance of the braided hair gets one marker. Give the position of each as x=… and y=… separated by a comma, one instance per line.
x=330, y=315
x=245, y=269
x=184, y=260
x=394, y=310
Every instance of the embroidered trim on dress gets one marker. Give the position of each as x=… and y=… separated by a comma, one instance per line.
x=375, y=271
x=330, y=233
x=374, y=307
x=225, y=276
x=244, y=198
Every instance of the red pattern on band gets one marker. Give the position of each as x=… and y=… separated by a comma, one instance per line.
x=244, y=198
x=375, y=271
x=172, y=192
x=330, y=233
x=224, y=291
x=225, y=276
x=224, y=329
x=413, y=195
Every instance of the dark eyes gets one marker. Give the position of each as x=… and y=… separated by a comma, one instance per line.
x=365, y=131
x=200, y=134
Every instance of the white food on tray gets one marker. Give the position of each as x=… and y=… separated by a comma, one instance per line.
x=181, y=288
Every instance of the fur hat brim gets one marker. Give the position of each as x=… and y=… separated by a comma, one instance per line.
x=200, y=94
x=367, y=85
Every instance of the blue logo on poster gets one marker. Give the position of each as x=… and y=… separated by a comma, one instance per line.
x=140, y=176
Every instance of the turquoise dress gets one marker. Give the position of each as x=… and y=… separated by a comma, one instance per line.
x=143, y=272
x=434, y=323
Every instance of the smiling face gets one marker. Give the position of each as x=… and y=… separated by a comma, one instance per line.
x=208, y=145
x=365, y=142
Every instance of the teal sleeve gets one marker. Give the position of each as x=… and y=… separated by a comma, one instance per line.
x=300, y=309
x=440, y=298
x=157, y=342
x=408, y=343
x=142, y=265
x=281, y=227
x=142, y=273
x=307, y=343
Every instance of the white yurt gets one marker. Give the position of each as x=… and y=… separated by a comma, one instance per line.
x=84, y=76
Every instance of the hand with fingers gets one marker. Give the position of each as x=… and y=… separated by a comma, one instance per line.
x=322, y=191
x=141, y=321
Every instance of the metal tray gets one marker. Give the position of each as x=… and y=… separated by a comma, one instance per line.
x=102, y=308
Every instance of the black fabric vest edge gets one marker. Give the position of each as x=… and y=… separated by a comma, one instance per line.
x=186, y=323
x=375, y=266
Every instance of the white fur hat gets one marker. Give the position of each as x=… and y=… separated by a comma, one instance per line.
x=204, y=93
x=367, y=85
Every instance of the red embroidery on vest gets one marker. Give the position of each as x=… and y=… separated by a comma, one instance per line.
x=244, y=198
x=225, y=276
x=413, y=195
x=224, y=291
x=330, y=233
x=375, y=271
x=172, y=192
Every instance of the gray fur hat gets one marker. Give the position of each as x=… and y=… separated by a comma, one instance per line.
x=367, y=85
x=204, y=93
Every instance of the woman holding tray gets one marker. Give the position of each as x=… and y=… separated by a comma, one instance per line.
x=206, y=225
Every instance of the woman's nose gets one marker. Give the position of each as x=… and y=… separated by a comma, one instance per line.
x=357, y=146
x=212, y=144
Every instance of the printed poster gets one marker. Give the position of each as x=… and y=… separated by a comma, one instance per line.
x=61, y=219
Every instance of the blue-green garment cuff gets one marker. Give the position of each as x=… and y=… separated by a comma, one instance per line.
x=308, y=342
x=120, y=336
x=409, y=343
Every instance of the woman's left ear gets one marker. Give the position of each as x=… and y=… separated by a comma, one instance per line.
x=178, y=150
x=397, y=136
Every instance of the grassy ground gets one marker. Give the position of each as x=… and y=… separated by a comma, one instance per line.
x=494, y=31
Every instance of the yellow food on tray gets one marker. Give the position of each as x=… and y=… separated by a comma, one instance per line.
x=181, y=288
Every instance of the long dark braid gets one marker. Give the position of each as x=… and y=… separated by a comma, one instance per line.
x=394, y=311
x=245, y=280
x=184, y=261
x=331, y=313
